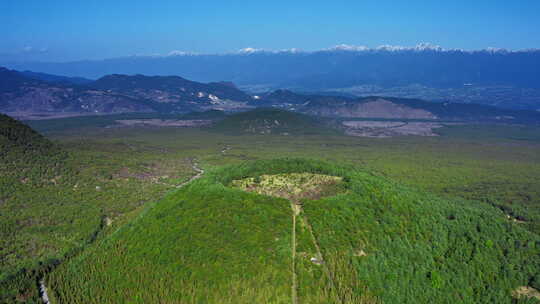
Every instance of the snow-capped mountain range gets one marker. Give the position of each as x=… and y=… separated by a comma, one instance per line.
x=421, y=47
x=501, y=77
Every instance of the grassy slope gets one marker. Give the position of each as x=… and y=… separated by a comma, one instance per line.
x=202, y=244
x=209, y=242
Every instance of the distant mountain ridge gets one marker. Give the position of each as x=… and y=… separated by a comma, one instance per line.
x=505, y=78
x=20, y=93
x=56, y=78
x=421, y=47
x=391, y=108
x=386, y=65
x=403, y=108
x=117, y=93
x=178, y=88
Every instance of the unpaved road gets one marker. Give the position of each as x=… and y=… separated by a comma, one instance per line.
x=297, y=211
x=199, y=171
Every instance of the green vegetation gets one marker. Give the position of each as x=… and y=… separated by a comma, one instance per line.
x=500, y=133
x=378, y=242
x=203, y=244
x=44, y=223
x=271, y=121
x=55, y=200
x=26, y=156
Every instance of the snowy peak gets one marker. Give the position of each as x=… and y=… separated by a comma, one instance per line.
x=421, y=47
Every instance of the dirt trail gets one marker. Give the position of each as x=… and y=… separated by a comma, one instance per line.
x=195, y=167
x=296, y=211
x=326, y=270
x=293, y=249
x=199, y=171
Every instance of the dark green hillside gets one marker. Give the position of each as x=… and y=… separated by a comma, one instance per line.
x=28, y=162
x=271, y=121
x=373, y=242
x=15, y=134
x=26, y=155
x=56, y=199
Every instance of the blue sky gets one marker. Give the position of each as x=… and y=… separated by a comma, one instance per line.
x=57, y=30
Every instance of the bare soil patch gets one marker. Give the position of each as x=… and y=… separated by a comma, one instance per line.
x=164, y=122
x=155, y=171
x=292, y=186
x=382, y=129
x=526, y=291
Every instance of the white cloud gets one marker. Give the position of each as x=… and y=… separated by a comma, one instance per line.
x=33, y=50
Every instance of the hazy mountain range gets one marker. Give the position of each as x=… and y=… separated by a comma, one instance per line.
x=499, y=77
x=33, y=95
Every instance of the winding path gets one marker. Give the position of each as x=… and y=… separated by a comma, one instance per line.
x=199, y=171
